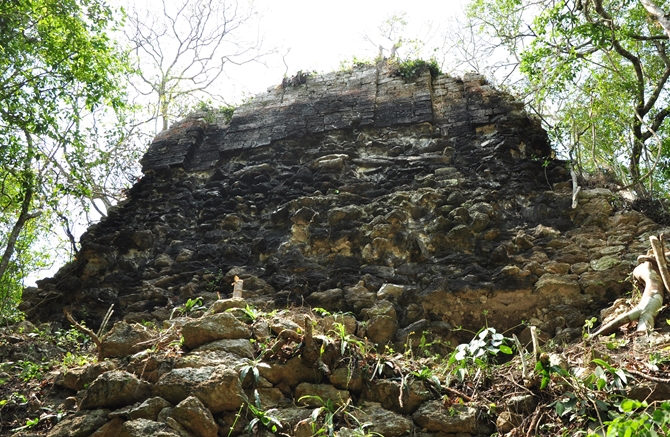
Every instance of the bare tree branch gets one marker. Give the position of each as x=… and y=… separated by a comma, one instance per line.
x=182, y=52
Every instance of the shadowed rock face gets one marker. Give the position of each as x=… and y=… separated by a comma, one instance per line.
x=437, y=195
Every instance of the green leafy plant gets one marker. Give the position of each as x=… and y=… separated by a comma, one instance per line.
x=252, y=366
x=347, y=339
x=412, y=68
x=328, y=411
x=486, y=344
x=633, y=422
x=617, y=379
x=251, y=313
x=657, y=359
x=544, y=369
x=323, y=312
x=262, y=418
x=30, y=370
x=75, y=360
x=190, y=306
x=355, y=62
x=29, y=424
x=215, y=283
x=588, y=325
x=614, y=343
x=426, y=374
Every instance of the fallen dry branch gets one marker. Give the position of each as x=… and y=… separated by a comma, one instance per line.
x=648, y=377
x=86, y=331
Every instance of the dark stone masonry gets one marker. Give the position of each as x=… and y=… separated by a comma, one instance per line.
x=417, y=205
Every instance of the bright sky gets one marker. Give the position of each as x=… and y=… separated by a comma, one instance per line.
x=320, y=34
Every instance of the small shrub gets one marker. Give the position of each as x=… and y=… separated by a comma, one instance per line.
x=413, y=68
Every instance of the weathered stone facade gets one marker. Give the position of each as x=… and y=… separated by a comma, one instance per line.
x=416, y=204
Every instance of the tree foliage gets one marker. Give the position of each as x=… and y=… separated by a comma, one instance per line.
x=58, y=65
x=596, y=71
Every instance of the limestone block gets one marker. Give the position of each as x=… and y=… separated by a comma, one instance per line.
x=344, y=378
x=195, y=417
x=382, y=329
x=238, y=346
x=293, y=372
x=218, y=387
x=148, y=409
x=557, y=285
x=77, y=378
x=433, y=416
x=315, y=395
x=387, y=393
x=384, y=422
x=115, y=389
x=213, y=327
x=125, y=339
x=83, y=423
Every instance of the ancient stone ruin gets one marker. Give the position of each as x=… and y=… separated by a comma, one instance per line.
x=404, y=209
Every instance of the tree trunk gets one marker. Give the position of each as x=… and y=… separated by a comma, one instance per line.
x=25, y=214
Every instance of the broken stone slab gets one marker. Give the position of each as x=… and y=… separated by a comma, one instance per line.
x=82, y=424
x=522, y=404
x=77, y=378
x=125, y=339
x=223, y=305
x=316, y=395
x=292, y=373
x=238, y=346
x=388, y=394
x=380, y=308
x=213, y=327
x=218, y=387
x=115, y=389
x=192, y=414
x=136, y=428
x=148, y=409
x=391, y=292
x=210, y=359
x=382, y=329
x=558, y=285
x=332, y=299
x=384, y=422
x=434, y=417
x=344, y=378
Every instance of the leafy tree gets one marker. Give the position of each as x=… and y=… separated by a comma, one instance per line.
x=57, y=65
x=596, y=71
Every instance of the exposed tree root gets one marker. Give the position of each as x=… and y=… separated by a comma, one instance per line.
x=653, y=271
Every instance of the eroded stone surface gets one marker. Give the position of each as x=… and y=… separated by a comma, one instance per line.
x=217, y=387
x=115, y=389
x=436, y=418
x=195, y=417
x=82, y=424
x=213, y=327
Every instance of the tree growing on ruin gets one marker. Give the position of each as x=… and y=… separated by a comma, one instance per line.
x=182, y=50
x=596, y=72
